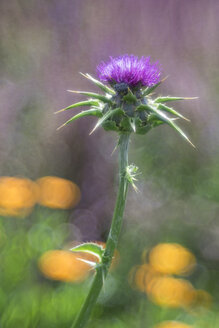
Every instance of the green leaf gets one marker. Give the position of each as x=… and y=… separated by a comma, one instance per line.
x=89, y=112
x=171, y=111
x=79, y=104
x=102, y=86
x=90, y=248
x=105, y=117
x=93, y=95
x=170, y=122
x=166, y=99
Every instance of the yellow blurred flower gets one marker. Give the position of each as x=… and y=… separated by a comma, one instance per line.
x=17, y=196
x=171, y=292
x=58, y=193
x=170, y=258
x=64, y=266
x=173, y=324
x=140, y=277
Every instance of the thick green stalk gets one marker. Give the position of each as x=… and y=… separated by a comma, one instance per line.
x=113, y=237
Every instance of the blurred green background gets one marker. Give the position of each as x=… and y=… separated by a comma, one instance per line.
x=43, y=46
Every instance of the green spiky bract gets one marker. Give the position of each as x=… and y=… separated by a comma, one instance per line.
x=133, y=111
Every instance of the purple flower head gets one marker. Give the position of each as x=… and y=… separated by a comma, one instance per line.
x=131, y=70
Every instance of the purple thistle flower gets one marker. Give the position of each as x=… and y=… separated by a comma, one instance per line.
x=131, y=70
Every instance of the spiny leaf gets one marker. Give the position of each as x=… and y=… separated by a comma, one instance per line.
x=149, y=90
x=102, y=86
x=93, y=95
x=79, y=104
x=105, y=117
x=167, y=120
x=166, y=99
x=90, y=248
x=89, y=112
x=171, y=111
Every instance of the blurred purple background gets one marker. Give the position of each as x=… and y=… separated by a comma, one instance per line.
x=45, y=44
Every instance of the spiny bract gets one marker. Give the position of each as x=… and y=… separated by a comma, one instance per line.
x=127, y=105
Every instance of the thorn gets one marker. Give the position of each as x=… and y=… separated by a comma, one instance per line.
x=92, y=131
x=164, y=78
x=192, y=144
x=59, y=111
x=116, y=146
x=61, y=126
x=191, y=98
x=135, y=188
x=83, y=75
x=183, y=117
x=92, y=264
x=73, y=91
x=130, y=91
x=114, y=150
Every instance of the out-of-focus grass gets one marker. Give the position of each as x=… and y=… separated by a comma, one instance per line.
x=28, y=299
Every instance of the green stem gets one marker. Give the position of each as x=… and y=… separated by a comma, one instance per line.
x=113, y=237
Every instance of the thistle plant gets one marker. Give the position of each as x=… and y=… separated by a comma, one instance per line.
x=126, y=105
